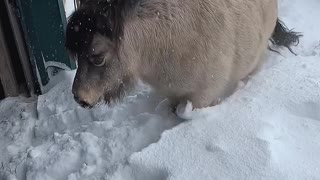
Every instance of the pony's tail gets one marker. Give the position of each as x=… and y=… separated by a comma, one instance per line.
x=282, y=36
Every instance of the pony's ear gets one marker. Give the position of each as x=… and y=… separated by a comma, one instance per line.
x=104, y=25
x=98, y=3
x=82, y=2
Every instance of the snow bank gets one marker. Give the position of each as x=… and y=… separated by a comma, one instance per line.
x=268, y=129
x=69, y=7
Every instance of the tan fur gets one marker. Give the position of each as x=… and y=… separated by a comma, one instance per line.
x=195, y=50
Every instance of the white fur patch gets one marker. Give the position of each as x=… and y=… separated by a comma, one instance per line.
x=184, y=111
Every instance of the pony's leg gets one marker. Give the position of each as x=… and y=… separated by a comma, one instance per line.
x=203, y=99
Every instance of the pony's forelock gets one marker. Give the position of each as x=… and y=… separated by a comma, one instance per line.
x=100, y=16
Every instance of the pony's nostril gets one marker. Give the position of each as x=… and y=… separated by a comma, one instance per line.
x=82, y=103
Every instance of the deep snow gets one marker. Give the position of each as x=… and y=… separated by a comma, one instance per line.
x=268, y=129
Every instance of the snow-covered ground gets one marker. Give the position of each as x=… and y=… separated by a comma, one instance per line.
x=268, y=129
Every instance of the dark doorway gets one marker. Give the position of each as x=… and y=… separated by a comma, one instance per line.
x=1, y=92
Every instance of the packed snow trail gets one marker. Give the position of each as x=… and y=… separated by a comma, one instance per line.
x=268, y=129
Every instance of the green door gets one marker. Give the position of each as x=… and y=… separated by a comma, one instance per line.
x=43, y=23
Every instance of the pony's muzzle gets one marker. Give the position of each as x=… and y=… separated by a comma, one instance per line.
x=82, y=103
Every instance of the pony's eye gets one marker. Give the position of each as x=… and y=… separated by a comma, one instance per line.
x=99, y=61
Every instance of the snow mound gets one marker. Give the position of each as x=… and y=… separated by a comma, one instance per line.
x=267, y=130
x=67, y=141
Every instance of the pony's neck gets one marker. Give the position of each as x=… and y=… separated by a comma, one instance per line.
x=131, y=44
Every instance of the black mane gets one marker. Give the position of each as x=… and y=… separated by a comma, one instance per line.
x=97, y=16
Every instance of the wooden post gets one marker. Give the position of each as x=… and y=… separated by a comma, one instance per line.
x=8, y=79
x=22, y=51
